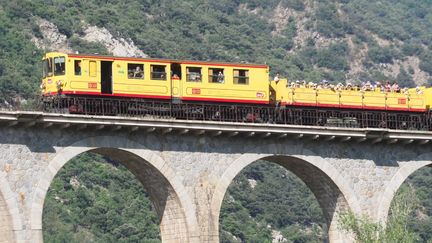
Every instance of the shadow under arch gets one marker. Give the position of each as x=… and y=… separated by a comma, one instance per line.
x=325, y=182
x=10, y=220
x=395, y=183
x=171, y=201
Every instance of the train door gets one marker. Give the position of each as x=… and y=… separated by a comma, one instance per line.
x=176, y=81
x=106, y=77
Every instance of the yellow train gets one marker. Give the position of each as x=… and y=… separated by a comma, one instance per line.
x=219, y=91
x=410, y=100
x=92, y=75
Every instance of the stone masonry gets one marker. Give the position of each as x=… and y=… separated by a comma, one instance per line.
x=187, y=173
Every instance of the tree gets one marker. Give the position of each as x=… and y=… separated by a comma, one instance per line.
x=394, y=230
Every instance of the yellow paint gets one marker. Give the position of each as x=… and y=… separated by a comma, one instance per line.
x=360, y=99
x=256, y=89
x=196, y=85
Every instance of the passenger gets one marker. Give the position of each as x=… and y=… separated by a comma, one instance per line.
x=175, y=77
x=395, y=88
x=198, y=78
x=357, y=87
x=387, y=87
x=138, y=73
x=367, y=86
x=297, y=84
x=276, y=78
x=77, y=67
x=324, y=83
x=220, y=77
x=377, y=86
x=419, y=91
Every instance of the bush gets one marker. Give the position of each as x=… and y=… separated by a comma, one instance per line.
x=426, y=62
x=379, y=54
x=333, y=57
x=294, y=4
x=412, y=49
x=396, y=228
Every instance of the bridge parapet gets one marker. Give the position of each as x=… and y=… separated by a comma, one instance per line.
x=226, y=129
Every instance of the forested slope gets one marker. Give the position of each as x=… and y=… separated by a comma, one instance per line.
x=313, y=40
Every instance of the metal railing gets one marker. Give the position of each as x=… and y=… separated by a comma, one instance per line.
x=309, y=116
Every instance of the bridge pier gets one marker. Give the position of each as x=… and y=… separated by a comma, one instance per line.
x=187, y=168
x=6, y=229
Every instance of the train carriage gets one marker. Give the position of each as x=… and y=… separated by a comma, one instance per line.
x=179, y=81
x=95, y=84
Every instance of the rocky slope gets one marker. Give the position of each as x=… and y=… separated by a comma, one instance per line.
x=340, y=41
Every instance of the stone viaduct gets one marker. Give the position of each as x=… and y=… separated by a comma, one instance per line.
x=186, y=166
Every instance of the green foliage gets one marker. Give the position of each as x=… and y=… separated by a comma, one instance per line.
x=297, y=233
x=403, y=20
x=412, y=49
x=18, y=61
x=396, y=227
x=96, y=200
x=426, y=62
x=239, y=31
x=421, y=221
x=404, y=79
x=333, y=57
x=277, y=200
x=379, y=54
x=329, y=22
x=83, y=46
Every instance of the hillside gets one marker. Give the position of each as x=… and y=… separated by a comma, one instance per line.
x=313, y=40
x=341, y=41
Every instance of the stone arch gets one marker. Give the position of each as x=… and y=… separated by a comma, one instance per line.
x=168, y=194
x=10, y=220
x=328, y=185
x=405, y=170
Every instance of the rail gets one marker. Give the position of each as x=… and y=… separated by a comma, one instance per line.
x=235, y=113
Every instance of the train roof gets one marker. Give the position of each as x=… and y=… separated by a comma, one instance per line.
x=162, y=60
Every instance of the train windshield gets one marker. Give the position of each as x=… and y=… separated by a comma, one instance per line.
x=47, y=67
x=59, y=66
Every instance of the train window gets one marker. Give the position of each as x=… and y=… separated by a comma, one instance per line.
x=77, y=67
x=193, y=74
x=216, y=75
x=135, y=71
x=241, y=76
x=92, y=68
x=59, y=66
x=47, y=67
x=158, y=72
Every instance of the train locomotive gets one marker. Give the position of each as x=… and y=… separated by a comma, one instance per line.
x=219, y=91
